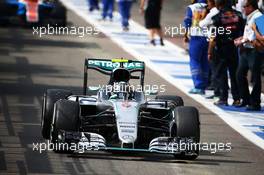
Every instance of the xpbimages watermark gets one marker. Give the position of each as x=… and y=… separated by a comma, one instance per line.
x=213, y=147
x=173, y=31
x=58, y=30
x=124, y=88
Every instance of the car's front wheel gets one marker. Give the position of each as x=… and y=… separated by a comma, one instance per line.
x=65, y=118
x=187, y=125
x=49, y=99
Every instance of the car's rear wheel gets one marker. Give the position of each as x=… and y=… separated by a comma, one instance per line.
x=187, y=126
x=176, y=99
x=65, y=118
x=49, y=99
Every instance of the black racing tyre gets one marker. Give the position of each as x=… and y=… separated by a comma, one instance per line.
x=66, y=115
x=178, y=100
x=65, y=118
x=187, y=125
x=49, y=99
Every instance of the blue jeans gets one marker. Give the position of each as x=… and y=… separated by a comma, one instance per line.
x=199, y=65
x=108, y=6
x=124, y=10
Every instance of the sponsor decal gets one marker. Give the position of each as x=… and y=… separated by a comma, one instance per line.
x=108, y=65
x=128, y=137
x=127, y=130
x=127, y=126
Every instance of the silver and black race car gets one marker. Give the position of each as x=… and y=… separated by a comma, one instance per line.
x=37, y=12
x=118, y=117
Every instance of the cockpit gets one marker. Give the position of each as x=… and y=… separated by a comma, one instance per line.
x=119, y=87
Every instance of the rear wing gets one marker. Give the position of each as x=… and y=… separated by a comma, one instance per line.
x=106, y=66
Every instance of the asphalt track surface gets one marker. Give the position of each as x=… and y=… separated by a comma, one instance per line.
x=29, y=65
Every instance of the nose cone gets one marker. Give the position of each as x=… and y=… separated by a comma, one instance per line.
x=126, y=120
x=128, y=139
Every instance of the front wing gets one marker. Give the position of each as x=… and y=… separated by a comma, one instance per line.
x=165, y=145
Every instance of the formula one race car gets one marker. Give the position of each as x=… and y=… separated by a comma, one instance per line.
x=119, y=118
x=33, y=12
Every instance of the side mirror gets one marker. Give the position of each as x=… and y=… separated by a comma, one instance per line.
x=94, y=88
x=151, y=92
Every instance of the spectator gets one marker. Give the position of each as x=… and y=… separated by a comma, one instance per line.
x=259, y=42
x=241, y=3
x=249, y=60
x=108, y=7
x=207, y=22
x=258, y=28
x=152, y=9
x=261, y=6
x=231, y=22
x=198, y=46
x=231, y=3
x=93, y=5
x=124, y=10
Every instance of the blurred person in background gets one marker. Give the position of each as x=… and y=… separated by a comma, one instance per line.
x=108, y=7
x=240, y=3
x=249, y=60
x=152, y=10
x=124, y=7
x=198, y=46
x=231, y=22
x=93, y=5
x=259, y=42
x=258, y=28
x=261, y=6
x=207, y=22
x=231, y=3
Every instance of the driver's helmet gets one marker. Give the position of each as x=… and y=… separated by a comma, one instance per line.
x=122, y=90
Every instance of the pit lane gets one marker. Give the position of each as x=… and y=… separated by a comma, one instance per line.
x=29, y=65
